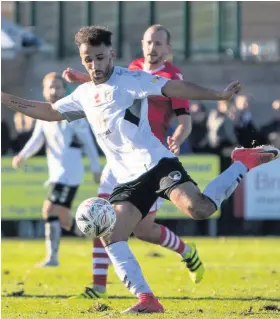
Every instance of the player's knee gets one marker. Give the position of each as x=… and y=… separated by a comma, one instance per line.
x=140, y=234
x=193, y=211
x=200, y=208
x=145, y=232
x=49, y=210
x=197, y=214
x=128, y=216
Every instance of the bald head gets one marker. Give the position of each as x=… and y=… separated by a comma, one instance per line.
x=54, y=87
x=53, y=76
x=158, y=27
x=156, y=45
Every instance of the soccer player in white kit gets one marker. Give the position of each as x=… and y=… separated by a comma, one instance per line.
x=115, y=104
x=156, y=47
x=64, y=145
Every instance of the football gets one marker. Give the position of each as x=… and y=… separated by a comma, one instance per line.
x=95, y=217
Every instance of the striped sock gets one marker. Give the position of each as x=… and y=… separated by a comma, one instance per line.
x=100, y=264
x=171, y=241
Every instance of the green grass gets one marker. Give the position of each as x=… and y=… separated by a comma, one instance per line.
x=242, y=280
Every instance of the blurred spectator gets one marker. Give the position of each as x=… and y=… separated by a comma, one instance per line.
x=6, y=143
x=220, y=129
x=245, y=130
x=198, y=136
x=271, y=131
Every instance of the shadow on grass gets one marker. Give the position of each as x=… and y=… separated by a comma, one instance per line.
x=160, y=297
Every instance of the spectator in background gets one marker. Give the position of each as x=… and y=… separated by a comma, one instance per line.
x=271, y=131
x=245, y=130
x=198, y=137
x=220, y=134
x=5, y=138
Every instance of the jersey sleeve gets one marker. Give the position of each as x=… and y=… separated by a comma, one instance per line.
x=70, y=106
x=149, y=84
x=35, y=142
x=180, y=106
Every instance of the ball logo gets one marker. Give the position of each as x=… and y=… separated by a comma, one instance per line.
x=83, y=218
x=103, y=219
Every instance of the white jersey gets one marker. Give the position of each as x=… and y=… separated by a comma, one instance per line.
x=64, y=144
x=118, y=114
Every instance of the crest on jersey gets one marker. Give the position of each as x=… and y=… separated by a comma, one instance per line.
x=175, y=176
x=108, y=95
x=155, y=79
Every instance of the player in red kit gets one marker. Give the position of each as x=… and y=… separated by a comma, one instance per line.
x=162, y=109
x=156, y=48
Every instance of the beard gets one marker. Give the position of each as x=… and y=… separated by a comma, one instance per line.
x=54, y=98
x=103, y=76
x=156, y=59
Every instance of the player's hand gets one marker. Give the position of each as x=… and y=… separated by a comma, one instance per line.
x=173, y=145
x=73, y=76
x=17, y=161
x=96, y=177
x=232, y=89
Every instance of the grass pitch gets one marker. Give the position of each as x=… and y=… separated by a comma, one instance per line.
x=242, y=280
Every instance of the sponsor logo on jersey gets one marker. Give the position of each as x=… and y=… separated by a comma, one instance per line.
x=104, y=134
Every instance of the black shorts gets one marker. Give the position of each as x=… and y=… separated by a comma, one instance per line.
x=62, y=195
x=157, y=182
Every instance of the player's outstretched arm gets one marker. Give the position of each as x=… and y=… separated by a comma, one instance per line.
x=31, y=147
x=75, y=76
x=190, y=91
x=38, y=110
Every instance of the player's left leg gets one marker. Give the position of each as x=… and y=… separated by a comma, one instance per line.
x=148, y=230
x=201, y=205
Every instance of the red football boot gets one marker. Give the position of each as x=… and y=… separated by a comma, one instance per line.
x=252, y=157
x=149, y=305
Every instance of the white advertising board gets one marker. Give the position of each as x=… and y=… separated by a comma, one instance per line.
x=262, y=192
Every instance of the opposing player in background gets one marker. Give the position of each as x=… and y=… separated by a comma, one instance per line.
x=156, y=47
x=64, y=143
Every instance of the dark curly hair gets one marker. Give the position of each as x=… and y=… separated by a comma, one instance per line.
x=93, y=35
